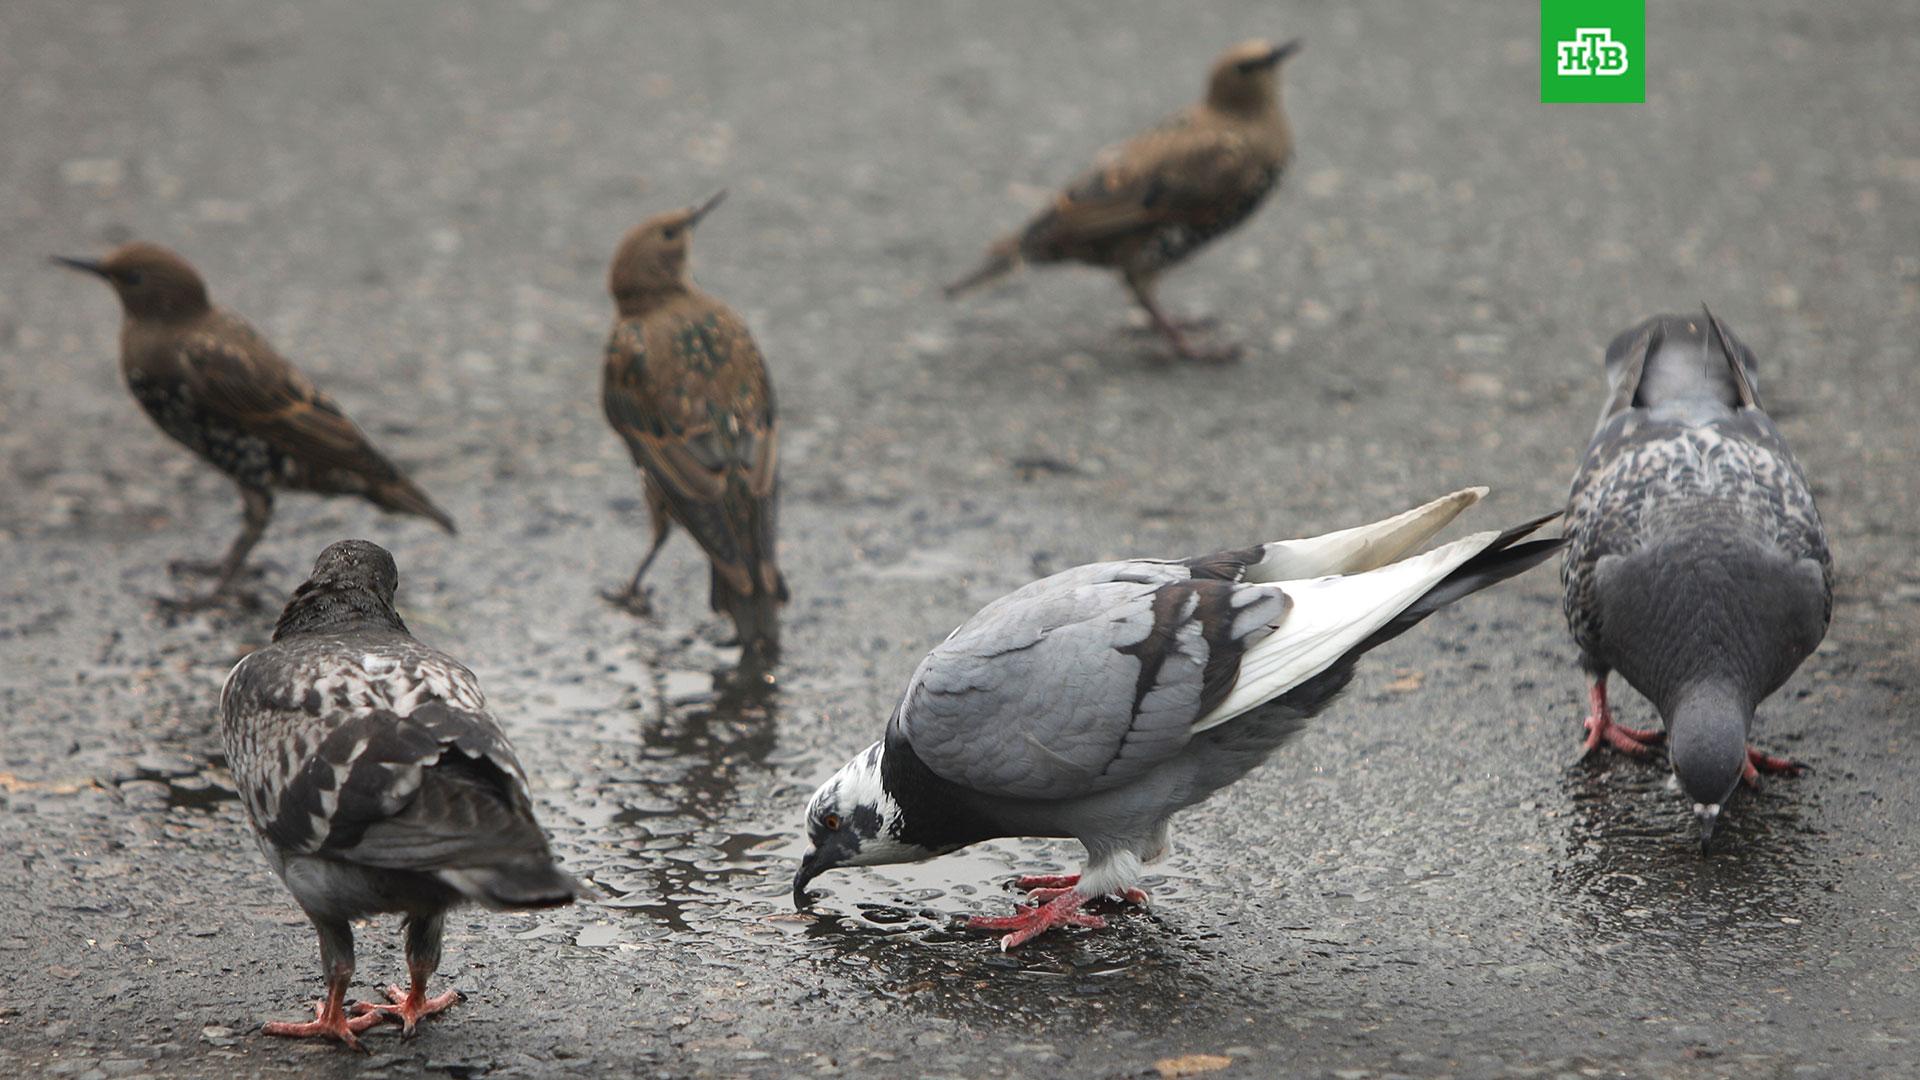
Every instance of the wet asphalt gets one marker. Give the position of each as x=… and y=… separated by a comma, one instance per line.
x=1430, y=882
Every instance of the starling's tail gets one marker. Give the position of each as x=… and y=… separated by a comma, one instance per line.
x=400, y=495
x=530, y=883
x=1002, y=259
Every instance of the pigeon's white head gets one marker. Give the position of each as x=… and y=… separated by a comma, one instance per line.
x=853, y=820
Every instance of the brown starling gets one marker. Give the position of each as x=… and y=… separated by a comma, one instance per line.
x=687, y=389
x=216, y=386
x=1161, y=196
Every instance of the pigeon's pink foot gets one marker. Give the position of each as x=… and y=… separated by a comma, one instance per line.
x=1759, y=761
x=408, y=1008
x=1046, y=881
x=329, y=1022
x=1029, y=923
x=1044, y=887
x=1136, y=897
x=1601, y=728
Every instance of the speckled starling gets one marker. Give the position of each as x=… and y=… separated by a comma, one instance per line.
x=377, y=781
x=1154, y=200
x=687, y=389
x=217, y=387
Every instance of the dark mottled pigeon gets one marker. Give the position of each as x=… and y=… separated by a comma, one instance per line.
x=1100, y=701
x=1697, y=566
x=377, y=781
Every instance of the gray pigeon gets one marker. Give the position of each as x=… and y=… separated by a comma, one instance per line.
x=1098, y=702
x=377, y=781
x=1697, y=568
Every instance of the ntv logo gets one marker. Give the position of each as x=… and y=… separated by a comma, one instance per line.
x=1583, y=38
x=1592, y=52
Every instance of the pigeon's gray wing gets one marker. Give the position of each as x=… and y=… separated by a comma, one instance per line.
x=1083, y=681
x=383, y=757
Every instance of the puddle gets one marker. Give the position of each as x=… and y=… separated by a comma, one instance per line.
x=1634, y=882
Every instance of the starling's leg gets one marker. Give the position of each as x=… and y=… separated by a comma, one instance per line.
x=330, y=1018
x=423, y=959
x=633, y=598
x=1143, y=293
x=256, y=507
x=1759, y=761
x=1601, y=728
x=1029, y=923
x=1042, y=887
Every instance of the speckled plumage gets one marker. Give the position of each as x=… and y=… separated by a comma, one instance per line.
x=1100, y=701
x=1155, y=200
x=687, y=390
x=215, y=385
x=374, y=776
x=1698, y=567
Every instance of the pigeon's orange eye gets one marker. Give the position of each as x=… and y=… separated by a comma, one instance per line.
x=832, y=822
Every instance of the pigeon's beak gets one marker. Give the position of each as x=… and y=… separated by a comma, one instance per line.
x=706, y=208
x=1707, y=814
x=812, y=866
x=88, y=265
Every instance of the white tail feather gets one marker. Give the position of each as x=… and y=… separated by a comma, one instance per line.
x=1363, y=547
x=1331, y=615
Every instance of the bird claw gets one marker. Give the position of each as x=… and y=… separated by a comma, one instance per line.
x=1041, y=888
x=408, y=1009
x=632, y=601
x=334, y=1025
x=1029, y=923
x=1759, y=761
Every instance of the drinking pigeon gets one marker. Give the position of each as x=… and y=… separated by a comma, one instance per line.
x=1157, y=199
x=1698, y=567
x=214, y=385
x=685, y=387
x=377, y=781
x=1098, y=702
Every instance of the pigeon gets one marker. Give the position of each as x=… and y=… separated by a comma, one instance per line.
x=1698, y=567
x=377, y=781
x=687, y=390
x=1098, y=702
x=213, y=384
x=1153, y=201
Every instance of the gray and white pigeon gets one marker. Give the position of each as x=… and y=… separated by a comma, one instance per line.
x=1098, y=702
x=1697, y=567
x=377, y=781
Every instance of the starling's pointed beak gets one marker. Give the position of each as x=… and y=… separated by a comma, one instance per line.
x=810, y=867
x=88, y=265
x=1284, y=50
x=706, y=208
x=1707, y=814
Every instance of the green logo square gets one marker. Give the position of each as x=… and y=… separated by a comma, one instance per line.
x=1593, y=50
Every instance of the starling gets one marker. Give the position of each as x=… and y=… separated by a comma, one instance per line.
x=1698, y=567
x=1156, y=199
x=686, y=388
x=377, y=781
x=1099, y=702
x=216, y=386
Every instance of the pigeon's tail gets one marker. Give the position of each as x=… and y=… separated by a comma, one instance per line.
x=1509, y=554
x=402, y=496
x=1363, y=547
x=533, y=882
x=1003, y=258
x=1331, y=620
